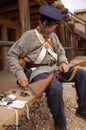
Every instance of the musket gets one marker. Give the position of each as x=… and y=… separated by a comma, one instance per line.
x=38, y=87
x=82, y=63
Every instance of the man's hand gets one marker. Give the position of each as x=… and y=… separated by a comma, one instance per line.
x=23, y=81
x=64, y=67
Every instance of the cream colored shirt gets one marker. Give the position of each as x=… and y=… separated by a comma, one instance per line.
x=28, y=42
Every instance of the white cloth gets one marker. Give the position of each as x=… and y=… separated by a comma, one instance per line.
x=17, y=104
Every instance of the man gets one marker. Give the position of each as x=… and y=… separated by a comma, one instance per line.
x=41, y=46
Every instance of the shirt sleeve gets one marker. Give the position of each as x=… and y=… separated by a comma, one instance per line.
x=16, y=51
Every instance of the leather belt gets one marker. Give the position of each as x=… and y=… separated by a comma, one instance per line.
x=31, y=65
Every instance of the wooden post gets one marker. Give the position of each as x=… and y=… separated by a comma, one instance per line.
x=85, y=28
x=27, y=15
x=72, y=44
x=62, y=34
x=24, y=15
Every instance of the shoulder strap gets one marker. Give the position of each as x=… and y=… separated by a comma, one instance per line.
x=50, y=44
x=46, y=44
x=43, y=40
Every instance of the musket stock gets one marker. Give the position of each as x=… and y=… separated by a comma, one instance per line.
x=38, y=87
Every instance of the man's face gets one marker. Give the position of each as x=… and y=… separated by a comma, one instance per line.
x=46, y=30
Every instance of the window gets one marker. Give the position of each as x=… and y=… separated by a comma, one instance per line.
x=1, y=32
x=11, y=34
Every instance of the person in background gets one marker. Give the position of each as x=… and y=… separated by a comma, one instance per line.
x=42, y=47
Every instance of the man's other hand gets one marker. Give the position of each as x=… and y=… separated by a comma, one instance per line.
x=64, y=67
x=23, y=81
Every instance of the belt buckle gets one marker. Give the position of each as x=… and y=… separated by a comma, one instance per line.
x=51, y=63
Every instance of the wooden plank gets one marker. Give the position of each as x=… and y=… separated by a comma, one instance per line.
x=7, y=116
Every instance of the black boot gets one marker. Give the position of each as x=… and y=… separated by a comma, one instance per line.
x=57, y=128
x=81, y=112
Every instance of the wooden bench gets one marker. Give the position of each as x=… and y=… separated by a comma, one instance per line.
x=8, y=116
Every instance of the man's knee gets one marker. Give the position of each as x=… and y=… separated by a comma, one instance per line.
x=55, y=87
x=80, y=75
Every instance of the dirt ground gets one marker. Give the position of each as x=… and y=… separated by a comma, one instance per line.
x=41, y=118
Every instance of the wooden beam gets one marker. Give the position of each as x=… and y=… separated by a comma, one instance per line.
x=6, y=43
x=34, y=9
x=8, y=8
x=11, y=14
x=34, y=17
x=35, y=22
x=24, y=14
x=32, y=3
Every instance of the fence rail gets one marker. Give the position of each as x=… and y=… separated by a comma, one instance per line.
x=6, y=43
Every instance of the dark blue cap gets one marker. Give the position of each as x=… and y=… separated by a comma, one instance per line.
x=51, y=12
